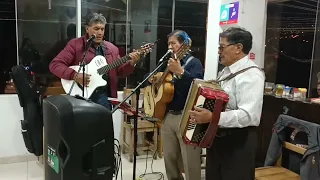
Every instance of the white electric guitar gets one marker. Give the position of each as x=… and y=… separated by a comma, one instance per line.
x=97, y=68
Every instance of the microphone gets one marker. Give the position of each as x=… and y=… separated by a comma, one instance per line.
x=92, y=38
x=168, y=53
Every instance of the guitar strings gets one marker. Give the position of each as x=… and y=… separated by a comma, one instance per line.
x=108, y=67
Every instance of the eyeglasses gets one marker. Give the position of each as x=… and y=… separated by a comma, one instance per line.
x=222, y=47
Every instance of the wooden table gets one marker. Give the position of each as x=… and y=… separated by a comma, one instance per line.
x=10, y=89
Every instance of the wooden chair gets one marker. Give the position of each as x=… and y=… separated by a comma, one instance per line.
x=277, y=172
x=143, y=127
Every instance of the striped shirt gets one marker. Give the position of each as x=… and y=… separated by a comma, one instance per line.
x=245, y=95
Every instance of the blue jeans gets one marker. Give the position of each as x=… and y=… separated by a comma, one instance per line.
x=102, y=99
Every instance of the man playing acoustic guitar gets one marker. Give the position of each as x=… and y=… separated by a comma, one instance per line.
x=73, y=53
x=178, y=155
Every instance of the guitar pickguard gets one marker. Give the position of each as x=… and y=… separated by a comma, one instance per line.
x=96, y=80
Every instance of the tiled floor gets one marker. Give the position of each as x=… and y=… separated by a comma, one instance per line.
x=33, y=170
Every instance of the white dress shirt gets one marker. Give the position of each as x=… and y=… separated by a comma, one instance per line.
x=245, y=95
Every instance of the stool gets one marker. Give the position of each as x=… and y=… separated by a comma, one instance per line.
x=143, y=126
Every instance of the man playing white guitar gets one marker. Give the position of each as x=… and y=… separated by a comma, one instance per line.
x=73, y=53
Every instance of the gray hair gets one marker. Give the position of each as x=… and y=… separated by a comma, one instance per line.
x=95, y=18
x=239, y=35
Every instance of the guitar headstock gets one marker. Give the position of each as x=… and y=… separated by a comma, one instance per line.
x=146, y=48
x=183, y=50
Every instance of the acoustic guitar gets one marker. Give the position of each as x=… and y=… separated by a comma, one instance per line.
x=161, y=91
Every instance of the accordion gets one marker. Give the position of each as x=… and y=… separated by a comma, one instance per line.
x=208, y=95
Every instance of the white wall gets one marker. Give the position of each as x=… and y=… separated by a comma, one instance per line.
x=213, y=30
x=11, y=141
x=252, y=17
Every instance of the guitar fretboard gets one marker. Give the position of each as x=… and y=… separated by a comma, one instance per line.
x=113, y=65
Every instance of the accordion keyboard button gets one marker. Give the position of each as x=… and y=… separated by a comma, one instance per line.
x=191, y=126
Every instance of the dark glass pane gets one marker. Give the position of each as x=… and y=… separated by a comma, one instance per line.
x=289, y=42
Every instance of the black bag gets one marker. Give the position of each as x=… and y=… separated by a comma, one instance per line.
x=32, y=125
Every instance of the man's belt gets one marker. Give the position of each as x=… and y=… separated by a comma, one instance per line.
x=175, y=112
x=222, y=132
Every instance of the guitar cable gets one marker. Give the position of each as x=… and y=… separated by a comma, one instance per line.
x=160, y=174
x=118, y=160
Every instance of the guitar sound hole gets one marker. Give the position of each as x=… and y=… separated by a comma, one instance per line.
x=155, y=90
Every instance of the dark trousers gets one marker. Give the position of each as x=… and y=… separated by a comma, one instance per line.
x=232, y=156
x=102, y=99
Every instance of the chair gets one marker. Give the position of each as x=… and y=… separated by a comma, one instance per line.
x=31, y=125
x=308, y=165
x=277, y=172
x=143, y=127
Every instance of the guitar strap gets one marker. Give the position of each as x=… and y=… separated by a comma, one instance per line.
x=232, y=75
x=104, y=50
x=188, y=60
x=183, y=66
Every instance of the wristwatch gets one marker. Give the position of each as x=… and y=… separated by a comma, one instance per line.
x=180, y=74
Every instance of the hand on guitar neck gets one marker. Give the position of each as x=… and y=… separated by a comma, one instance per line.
x=80, y=79
x=175, y=67
x=135, y=56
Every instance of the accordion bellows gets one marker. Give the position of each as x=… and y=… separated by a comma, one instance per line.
x=209, y=95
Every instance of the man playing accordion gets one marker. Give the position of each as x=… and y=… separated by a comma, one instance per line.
x=232, y=153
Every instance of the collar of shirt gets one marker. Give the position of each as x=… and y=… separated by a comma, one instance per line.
x=232, y=68
x=237, y=66
x=100, y=50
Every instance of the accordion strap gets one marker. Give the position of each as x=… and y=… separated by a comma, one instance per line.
x=232, y=75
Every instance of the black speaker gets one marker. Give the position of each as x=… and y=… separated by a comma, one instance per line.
x=79, y=139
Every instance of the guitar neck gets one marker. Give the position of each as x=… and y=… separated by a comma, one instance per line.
x=166, y=72
x=119, y=62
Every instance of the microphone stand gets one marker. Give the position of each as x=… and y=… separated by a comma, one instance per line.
x=135, y=125
x=82, y=65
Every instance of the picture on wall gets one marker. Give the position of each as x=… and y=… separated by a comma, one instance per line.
x=120, y=33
